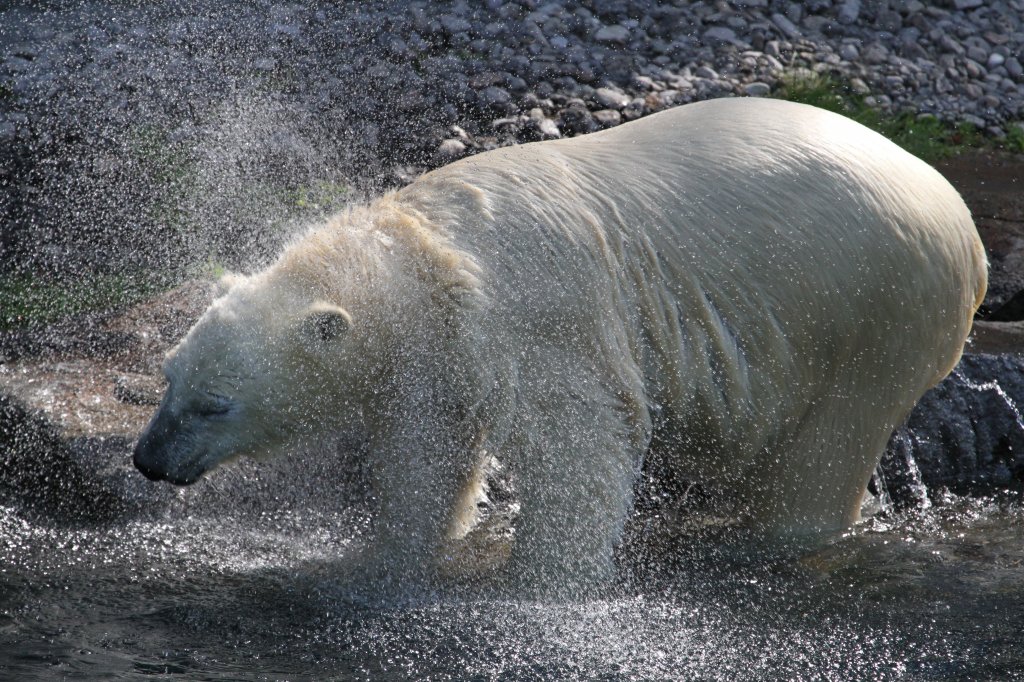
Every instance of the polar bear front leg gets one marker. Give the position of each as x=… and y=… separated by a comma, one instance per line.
x=420, y=473
x=574, y=453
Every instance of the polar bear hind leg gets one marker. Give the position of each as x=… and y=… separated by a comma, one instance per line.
x=814, y=479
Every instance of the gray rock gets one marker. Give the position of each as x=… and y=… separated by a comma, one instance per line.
x=494, y=97
x=967, y=4
x=616, y=34
x=611, y=99
x=717, y=35
x=849, y=52
x=635, y=109
x=453, y=24
x=859, y=87
x=889, y=21
x=757, y=89
x=1014, y=68
x=607, y=118
x=977, y=53
x=548, y=129
x=967, y=433
x=995, y=59
x=787, y=27
x=705, y=72
x=265, y=64
x=578, y=120
x=849, y=11
x=451, y=149
x=875, y=53
x=949, y=44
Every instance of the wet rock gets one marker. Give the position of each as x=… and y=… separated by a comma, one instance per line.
x=757, y=89
x=69, y=414
x=999, y=337
x=966, y=434
x=495, y=98
x=849, y=11
x=451, y=149
x=611, y=99
x=607, y=118
x=615, y=35
x=547, y=128
x=787, y=27
x=578, y=120
x=719, y=35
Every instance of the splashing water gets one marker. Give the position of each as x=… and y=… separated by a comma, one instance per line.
x=993, y=386
x=243, y=575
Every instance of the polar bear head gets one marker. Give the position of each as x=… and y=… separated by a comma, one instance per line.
x=316, y=345
x=269, y=364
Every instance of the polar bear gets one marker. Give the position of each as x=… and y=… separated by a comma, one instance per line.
x=754, y=292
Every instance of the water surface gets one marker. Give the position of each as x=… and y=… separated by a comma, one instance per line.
x=230, y=580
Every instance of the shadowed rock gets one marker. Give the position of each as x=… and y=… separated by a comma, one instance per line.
x=966, y=434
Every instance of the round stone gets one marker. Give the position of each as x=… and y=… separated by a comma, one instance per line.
x=757, y=89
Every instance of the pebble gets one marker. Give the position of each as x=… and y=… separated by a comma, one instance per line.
x=451, y=149
x=849, y=11
x=611, y=99
x=849, y=52
x=786, y=26
x=494, y=97
x=548, y=128
x=265, y=64
x=616, y=34
x=718, y=35
x=757, y=89
x=607, y=118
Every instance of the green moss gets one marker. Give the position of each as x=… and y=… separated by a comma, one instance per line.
x=1014, y=141
x=320, y=196
x=31, y=301
x=924, y=136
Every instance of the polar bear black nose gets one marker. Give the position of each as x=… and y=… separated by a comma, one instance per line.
x=146, y=471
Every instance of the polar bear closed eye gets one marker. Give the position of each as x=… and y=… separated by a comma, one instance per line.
x=782, y=283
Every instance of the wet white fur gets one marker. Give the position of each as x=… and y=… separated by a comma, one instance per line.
x=768, y=286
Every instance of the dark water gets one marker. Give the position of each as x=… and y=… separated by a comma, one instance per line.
x=232, y=580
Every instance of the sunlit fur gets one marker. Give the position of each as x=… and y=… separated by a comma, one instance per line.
x=757, y=290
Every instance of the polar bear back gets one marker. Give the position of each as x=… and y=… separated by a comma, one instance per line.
x=743, y=257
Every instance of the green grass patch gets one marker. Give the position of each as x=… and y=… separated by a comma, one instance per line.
x=924, y=136
x=320, y=196
x=28, y=301
x=1015, y=138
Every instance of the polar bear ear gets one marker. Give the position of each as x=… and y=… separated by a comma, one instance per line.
x=324, y=322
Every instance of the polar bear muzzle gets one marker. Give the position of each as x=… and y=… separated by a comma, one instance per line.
x=162, y=453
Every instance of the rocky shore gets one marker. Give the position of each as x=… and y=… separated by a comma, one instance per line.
x=149, y=133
